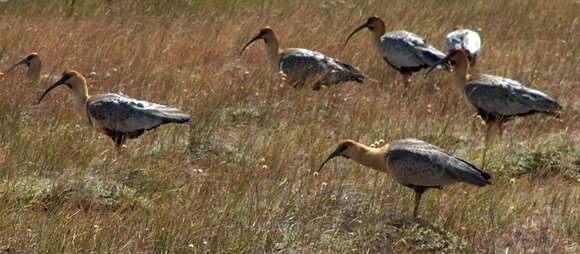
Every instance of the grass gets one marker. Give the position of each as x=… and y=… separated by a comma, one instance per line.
x=239, y=177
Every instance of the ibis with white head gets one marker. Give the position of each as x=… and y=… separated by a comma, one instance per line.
x=497, y=99
x=115, y=115
x=413, y=163
x=465, y=39
x=300, y=66
x=403, y=51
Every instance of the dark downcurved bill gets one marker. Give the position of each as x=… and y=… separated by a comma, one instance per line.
x=257, y=37
x=441, y=62
x=354, y=32
x=336, y=153
x=58, y=83
x=23, y=61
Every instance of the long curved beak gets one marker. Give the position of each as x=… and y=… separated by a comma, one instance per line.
x=58, y=83
x=336, y=153
x=23, y=61
x=257, y=37
x=354, y=32
x=441, y=62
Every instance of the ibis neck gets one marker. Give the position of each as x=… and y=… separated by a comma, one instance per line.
x=33, y=72
x=375, y=38
x=273, y=52
x=461, y=74
x=80, y=98
x=370, y=157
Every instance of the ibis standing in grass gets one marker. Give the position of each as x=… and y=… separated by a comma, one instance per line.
x=403, y=51
x=465, y=39
x=117, y=116
x=302, y=66
x=414, y=164
x=33, y=65
x=33, y=69
x=497, y=99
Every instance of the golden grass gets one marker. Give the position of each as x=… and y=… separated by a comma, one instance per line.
x=239, y=178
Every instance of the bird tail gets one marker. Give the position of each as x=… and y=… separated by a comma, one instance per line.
x=547, y=105
x=172, y=115
x=434, y=56
x=178, y=118
x=474, y=175
x=359, y=78
x=556, y=110
x=353, y=74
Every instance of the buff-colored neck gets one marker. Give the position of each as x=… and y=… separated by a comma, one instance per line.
x=273, y=51
x=80, y=97
x=460, y=72
x=369, y=156
x=375, y=36
x=33, y=72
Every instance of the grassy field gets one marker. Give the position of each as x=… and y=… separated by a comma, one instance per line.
x=240, y=178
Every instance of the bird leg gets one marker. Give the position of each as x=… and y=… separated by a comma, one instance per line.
x=488, y=132
x=120, y=149
x=406, y=80
x=419, y=190
x=119, y=144
x=500, y=128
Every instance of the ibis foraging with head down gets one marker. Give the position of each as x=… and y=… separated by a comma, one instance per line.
x=302, y=66
x=414, y=164
x=115, y=115
x=403, y=51
x=465, y=39
x=497, y=99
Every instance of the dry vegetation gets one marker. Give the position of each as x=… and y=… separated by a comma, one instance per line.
x=239, y=178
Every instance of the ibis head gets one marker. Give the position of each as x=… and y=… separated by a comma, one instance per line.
x=71, y=78
x=346, y=148
x=266, y=34
x=455, y=57
x=30, y=60
x=375, y=24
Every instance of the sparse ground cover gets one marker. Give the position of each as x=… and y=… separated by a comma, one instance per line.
x=240, y=177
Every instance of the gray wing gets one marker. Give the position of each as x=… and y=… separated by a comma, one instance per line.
x=303, y=64
x=123, y=114
x=507, y=97
x=417, y=163
x=404, y=49
x=466, y=39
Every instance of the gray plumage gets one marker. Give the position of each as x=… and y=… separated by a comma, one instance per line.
x=465, y=39
x=123, y=117
x=501, y=99
x=407, y=52
x=302, y=65
x=415, y=163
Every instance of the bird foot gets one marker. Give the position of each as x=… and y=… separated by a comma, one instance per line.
x=120, y=149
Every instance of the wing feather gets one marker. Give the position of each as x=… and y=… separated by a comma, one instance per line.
x=507, y=97
x=404, y=49
x=123, y=114
x=303, y=64
x=415, y=162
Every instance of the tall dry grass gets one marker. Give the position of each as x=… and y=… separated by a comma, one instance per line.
x=239, y=178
